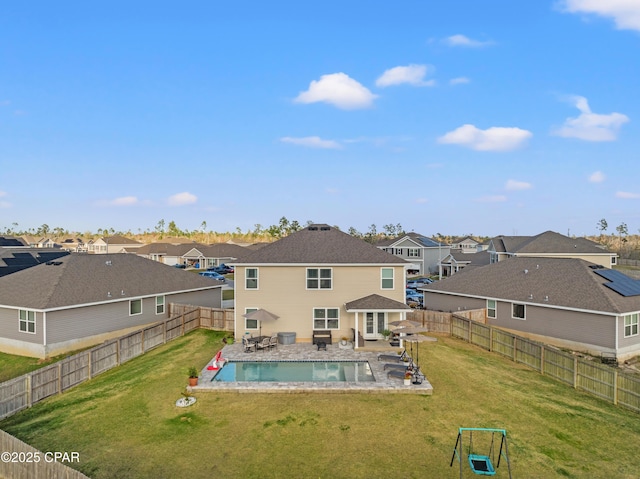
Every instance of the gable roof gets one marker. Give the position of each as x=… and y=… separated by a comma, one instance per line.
x=375, y=302
x=78, y=279
x=319, y=244
x=559, y=282
x=117, y=240
x=417, y=238
x=548, y=242
x=216, y=250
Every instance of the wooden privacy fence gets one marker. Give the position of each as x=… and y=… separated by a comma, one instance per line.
x=22, y=392
x=440, y=321
x=599, y=380
x=21, y=461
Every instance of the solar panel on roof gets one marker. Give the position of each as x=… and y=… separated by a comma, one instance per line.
x=620, y=283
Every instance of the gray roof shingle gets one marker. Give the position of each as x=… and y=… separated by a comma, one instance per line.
x=375, y=302
x=319, y=244
x=84, y=279
x=563, y=282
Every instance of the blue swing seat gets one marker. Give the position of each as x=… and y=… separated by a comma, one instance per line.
x=481, y=465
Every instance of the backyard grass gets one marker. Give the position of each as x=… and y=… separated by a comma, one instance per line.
x=124, y=423
x=12, y=366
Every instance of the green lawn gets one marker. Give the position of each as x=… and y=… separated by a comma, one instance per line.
x=124, y=423
x=12, y=366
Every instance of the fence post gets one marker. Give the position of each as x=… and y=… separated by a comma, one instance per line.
x=29, y=391
x=615, y=387
x=542, y=359
x=515, y=347
x=490, y=339
x=60, y=377
x=142, y=339
x=89, y=361
x=575, y=372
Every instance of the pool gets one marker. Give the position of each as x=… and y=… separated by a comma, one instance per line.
x=295, y=371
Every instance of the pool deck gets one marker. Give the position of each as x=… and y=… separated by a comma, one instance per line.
x=309, y=352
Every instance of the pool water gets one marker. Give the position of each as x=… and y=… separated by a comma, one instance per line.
x=295, y=371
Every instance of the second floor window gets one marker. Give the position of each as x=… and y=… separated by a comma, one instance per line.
x=319, y=278
x=251, y=278
x=387, y=278
x=413, y=252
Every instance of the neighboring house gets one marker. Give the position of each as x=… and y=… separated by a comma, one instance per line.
x=14, y=259
x=456, y=261
x=76, y=245
x=39, y=242
x=423, y=253
x=112, y=244
x=317, y=279
x=80, y=300
x=567, y=302
x=465, y=244
x=192, y=254
x=550, y=245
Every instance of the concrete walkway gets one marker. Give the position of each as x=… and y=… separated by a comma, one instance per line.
x=308, y=352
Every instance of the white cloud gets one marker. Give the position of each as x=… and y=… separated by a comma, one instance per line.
x=591, y=126
x=464, y=41
x=181, y=199
x=492, y=139
x=491, y=199
x=514, y=185
x=337, y=89
x=597, y=177
x=459, y=81
x=411, y=74
x=627, y=195
x=312, y=142
x=125, y=201
x=625, y=13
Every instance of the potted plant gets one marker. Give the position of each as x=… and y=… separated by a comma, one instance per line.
x=344, y=340
x=193, y=376
x=407, y=378
x=386, y=333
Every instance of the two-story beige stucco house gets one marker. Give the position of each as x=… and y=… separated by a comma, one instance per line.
x=320, y=278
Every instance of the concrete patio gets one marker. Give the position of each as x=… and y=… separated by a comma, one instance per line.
x=308, y=352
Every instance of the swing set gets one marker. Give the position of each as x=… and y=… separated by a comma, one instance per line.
x=480, y=464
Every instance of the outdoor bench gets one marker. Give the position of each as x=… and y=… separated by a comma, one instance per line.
x=322, y=336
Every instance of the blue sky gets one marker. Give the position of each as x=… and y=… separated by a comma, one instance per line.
x=458, y=117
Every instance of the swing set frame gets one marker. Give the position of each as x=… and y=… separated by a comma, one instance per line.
x=478, y=463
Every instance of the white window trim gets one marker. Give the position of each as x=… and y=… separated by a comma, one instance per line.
x=141, y=309
x=326, y=319
x=306, y=279
x=524, y=317
x=393, y=279
x=164, y=302
x=27, y=321
x=413, y=252
x=495, y=309
x=247, y=328
x=257, y=278
x=637, y=324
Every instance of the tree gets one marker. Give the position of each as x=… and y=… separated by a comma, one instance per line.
x=160, y=226
x=372, y=234
x=602, y=226
x=622, y=230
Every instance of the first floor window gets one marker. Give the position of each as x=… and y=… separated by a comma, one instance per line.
x=27, y=323
x=250, y=323
x=325, y=318
x=251, y=278
x=517, y=311
x=387, y=278
x=135, y=307
x=631, y=325
x=491, y=308
x=159, y=304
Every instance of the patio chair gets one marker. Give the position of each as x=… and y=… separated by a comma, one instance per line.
x=248, y=346
x=401, y=366
x=264, y=344
x=394, y=357
x=416, y=375
x=273, y=341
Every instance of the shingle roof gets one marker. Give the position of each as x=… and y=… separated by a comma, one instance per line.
x=562, y=282
x=418, y=238
x=375, y=302
x=319, y=244
x=547, y=242
x=84, y=279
